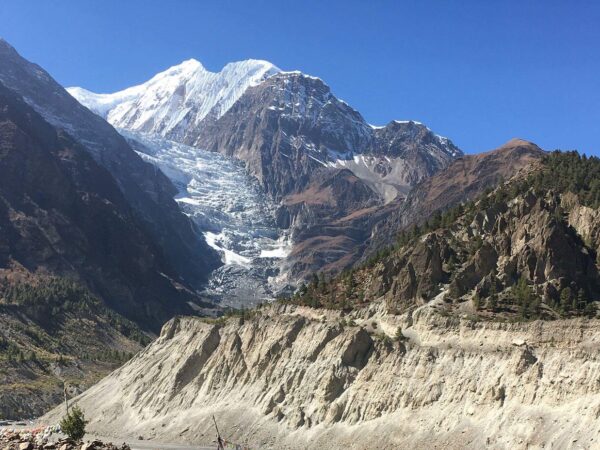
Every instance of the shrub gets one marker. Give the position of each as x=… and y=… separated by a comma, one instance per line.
x=73, y=424
x=399, y=335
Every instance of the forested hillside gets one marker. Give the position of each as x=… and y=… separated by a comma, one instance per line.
x=525, y=250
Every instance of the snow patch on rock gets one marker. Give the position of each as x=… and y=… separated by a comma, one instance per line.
x=180, y=97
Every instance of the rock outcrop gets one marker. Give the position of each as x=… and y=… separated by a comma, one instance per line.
x=43, y=439
x=298, y=378
x=528, y=238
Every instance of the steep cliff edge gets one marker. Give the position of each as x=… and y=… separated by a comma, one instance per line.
x=294, y=377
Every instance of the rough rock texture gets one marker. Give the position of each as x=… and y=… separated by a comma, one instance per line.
x=357, y=233
x=301, y=142
x=42, y=439
x=293, y=378
x=528, y=237
x=63, y=214
x=146, y=189
x=464, y=179
x=291, y=125
x=324, y=221
x=584, y=219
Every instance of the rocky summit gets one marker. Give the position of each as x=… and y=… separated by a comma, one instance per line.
x=313, y=155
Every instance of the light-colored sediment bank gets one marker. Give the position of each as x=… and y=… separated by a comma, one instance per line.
x=295, y=378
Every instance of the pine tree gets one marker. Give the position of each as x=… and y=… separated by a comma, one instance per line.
x=314, y=281
x=565, y=299
x=476, y=301
x=73, y=424
x=523, y=296
x=399, y=335
x=492, y=302
x=582, y=299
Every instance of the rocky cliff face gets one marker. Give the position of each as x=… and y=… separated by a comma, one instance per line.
x=356, y=233
x=524, y=250
x=67, y=231
x=146, y=190
x=297, y=378
x=291, y=125
x=499, y=247
x=301, y=142
x=63, y=214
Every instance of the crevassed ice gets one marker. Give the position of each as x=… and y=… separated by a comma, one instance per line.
x=228, y=206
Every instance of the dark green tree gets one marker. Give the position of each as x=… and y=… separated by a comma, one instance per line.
x=565, y=299
x=476, y=301
x=73, y=424
x=582, y=299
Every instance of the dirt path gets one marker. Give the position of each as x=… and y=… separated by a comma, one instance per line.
x=148, y=444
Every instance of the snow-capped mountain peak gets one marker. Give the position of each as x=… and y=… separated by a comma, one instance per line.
x=178, y=97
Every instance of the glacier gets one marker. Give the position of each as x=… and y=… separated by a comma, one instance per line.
x=229, y=208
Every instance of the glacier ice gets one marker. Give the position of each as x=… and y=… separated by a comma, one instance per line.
x=229, y=207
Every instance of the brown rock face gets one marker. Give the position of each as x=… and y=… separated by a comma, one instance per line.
x=320, y=159
x=291, y=125
x=418, y=274
x=529, y=237
x=366, y=228
x=63, y=214
x=464, y=179
x=147, y=191
x=483, y=263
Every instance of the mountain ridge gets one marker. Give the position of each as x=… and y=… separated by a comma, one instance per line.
x=295, y=137
x=196, y=125
x=182, y=94
x=147, y=190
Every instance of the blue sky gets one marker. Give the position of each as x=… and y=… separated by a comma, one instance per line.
x=479, y=72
